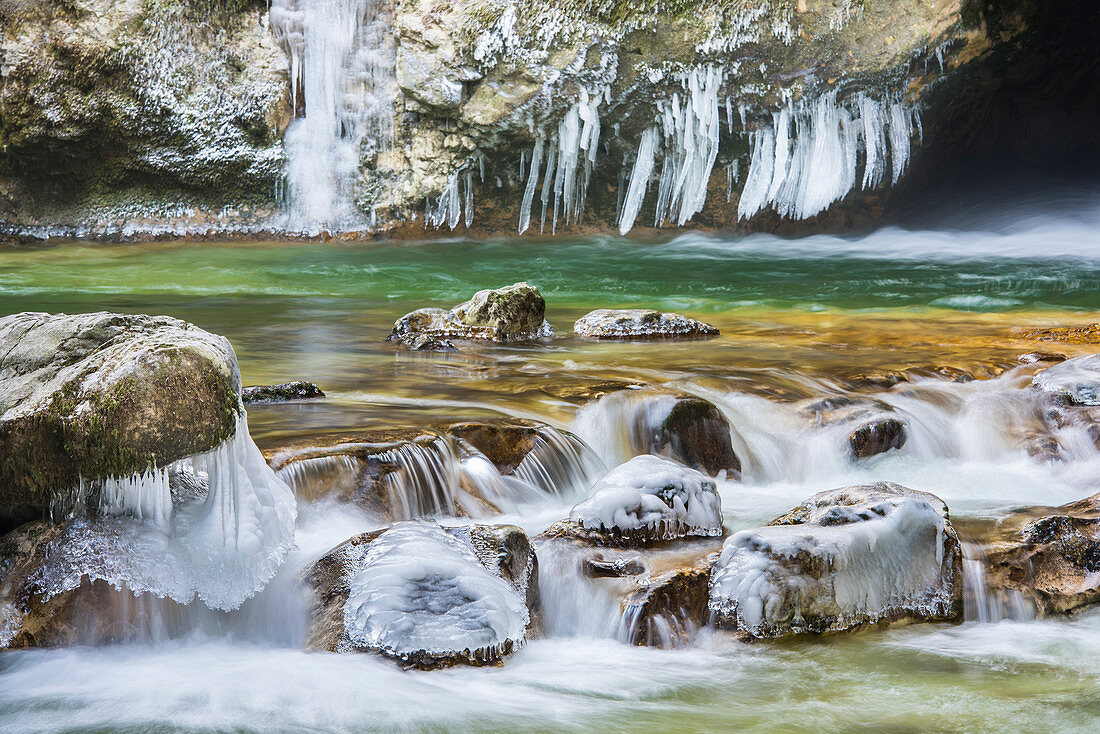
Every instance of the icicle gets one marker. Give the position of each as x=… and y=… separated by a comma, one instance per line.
x=639, y=179
x=532, y=184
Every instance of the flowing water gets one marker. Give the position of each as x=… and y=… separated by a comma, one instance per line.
x=800, y=318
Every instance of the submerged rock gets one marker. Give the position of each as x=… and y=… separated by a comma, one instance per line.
x=424, y=595
x=844, y=558
x=1087, y=334
x=645, y=500
x=513, y=313
x=282, y=393
x=638, y=323
x=105, y=395
x=682, y=427
x=874, y=430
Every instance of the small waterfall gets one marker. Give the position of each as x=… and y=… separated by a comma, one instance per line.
x=574, y=605
x=983, y=603
x=342, y=89
x=560, y=464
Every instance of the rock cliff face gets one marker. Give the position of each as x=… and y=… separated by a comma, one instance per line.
x=498, y=115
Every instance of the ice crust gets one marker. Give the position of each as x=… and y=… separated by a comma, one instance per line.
x=422, y=591
x=223, y=546
x=651, y=498
x=1077, y=379
x=842, y=565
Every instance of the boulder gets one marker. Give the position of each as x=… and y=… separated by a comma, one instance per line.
x=282, y=393
x=668, y=611
x=682, y=427
x=105, y=395
x=513, y=313
x=876, y=553
x=646, y=500
x=639, y=323
x=1050, y=556
x=424, y=595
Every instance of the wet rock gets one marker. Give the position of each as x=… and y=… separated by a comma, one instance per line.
x=598, y=567
x=429, y=343
x=425, y=596
x=513, y=313
x=1052, y=560
x=1087, y=334
x=645, y=500
x=876, y=553
x=1033, y=357
x=282, y=393
x=873, y=430
x=638, y=323
x=505, y=443
x=669, y=610
x=682, y=427
x=105, y=395
x=1076, y=380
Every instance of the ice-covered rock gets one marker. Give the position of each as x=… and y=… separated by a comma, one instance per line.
x=426, y=595
x=513, y=313
x=1077, y=380
x=648, y=499
x=686, y=428
x=844, y=558
x=134, y=424
x=639, y=323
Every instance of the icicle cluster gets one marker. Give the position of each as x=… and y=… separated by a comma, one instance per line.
x=687, y=134
x=809, y=157
x=457, y=195
x=570, y=156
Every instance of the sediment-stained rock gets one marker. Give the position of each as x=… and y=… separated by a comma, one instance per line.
x=513, y=313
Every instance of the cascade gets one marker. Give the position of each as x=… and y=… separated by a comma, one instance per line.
x=343, y=85
x=983, y=603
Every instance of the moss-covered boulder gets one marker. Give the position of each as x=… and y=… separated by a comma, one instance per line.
x=513, y=313
x=105, y=395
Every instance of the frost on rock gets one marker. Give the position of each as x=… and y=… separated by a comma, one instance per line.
x=650, y=499
x=639, y=323
x=844, y=558
x=808, y=158
x=420, y=594
x=223, y=544
x=1077, y=380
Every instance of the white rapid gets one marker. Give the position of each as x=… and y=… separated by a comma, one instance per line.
x=343, y=85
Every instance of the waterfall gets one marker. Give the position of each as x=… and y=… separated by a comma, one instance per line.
x=983, y=602
x=342, y=90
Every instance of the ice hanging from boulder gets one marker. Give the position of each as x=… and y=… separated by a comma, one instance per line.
x=222, y=539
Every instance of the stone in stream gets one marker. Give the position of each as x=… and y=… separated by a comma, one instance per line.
x=683, y=427
x=1076, y=381
x=876, y=553
x=281, y=393
x=135, y=425
x=646, y=500
x=639, y=323
x=668, y=611
x=426, y=596
x=513, y=313
x=874, y=429
x=1087, y=334
x=1050, y=556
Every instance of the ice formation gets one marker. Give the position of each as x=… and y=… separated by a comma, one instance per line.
x=342, y=74
x=1077, y=379
x=570, y=156
x=808, y=158
x=224, y=544
x=422, y=591
x=650, y=498
x=856, y=555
